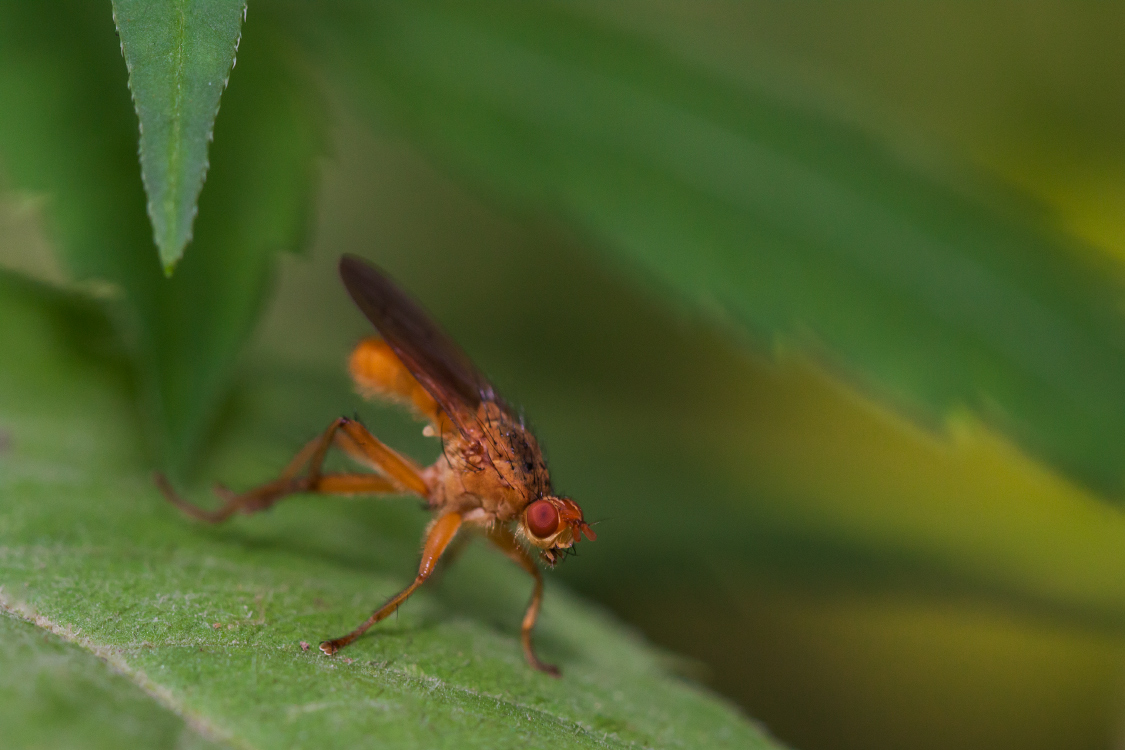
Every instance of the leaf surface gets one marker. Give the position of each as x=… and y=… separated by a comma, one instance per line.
x=179, y=54
x=214, y=617
x=56, y=694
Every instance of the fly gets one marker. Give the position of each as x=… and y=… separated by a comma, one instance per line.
x=491, y=476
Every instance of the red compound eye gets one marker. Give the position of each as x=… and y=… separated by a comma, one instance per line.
x=542, y=519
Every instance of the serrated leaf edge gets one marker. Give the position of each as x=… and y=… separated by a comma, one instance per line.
x=169, y=258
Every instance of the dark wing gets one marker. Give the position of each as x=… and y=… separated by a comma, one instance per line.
x=430, y=355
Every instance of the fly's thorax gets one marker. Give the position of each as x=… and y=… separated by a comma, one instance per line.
x=495, y=464
x=511, y=451
x=476, y=473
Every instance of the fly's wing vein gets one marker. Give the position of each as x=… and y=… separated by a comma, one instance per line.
x=426, y=351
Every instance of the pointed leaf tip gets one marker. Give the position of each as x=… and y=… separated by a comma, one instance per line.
x=179, y=56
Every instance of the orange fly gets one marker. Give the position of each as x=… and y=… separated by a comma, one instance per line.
x=491, y=476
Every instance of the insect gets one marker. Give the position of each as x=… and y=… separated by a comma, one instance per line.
x=491, y=477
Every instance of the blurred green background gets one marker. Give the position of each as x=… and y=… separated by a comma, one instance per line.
x=815, y=308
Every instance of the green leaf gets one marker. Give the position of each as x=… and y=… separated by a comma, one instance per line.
x=711, y=467
x=213, y=617
x=937, y=293
x=69, y=132
x=179, y=55
x=55, y=694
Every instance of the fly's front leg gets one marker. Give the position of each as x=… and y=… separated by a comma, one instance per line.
x=440, y=534
x=399, y=475
x=503, y=538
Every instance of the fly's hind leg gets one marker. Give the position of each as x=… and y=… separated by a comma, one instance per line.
x=503, y=538
x=379, y=373
x=438, y=536
x=398, y=475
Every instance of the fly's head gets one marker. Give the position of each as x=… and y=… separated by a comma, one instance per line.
x=554, y=525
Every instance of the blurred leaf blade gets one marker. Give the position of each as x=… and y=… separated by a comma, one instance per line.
x=721, y=471
x=179, y=56
x=939, y=294
x=185, y=333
